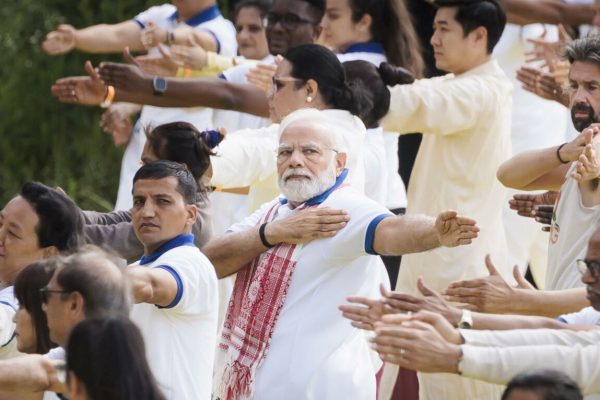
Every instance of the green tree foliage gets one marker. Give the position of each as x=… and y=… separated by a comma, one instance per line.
x=42, y=139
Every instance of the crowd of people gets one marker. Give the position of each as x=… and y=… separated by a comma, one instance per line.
x=275, y=236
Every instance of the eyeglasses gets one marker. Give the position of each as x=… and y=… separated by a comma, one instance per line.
x=289, y=22
x=592, y=266
x=312, y=153
x=279, y=82
x=45, y=293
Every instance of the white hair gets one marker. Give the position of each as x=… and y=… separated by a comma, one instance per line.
x=316, y=118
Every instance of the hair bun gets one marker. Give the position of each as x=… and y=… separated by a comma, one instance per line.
x=393, y=75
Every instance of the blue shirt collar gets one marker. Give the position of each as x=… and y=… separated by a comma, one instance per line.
x=368, y=47
x=205, y=15
x=323, y=196
x=186, y=239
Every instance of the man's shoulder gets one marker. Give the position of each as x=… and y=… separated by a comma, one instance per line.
x=351, y=200
x=7, y=297
x=237, y=74
x=157, y=13
x=184, y=252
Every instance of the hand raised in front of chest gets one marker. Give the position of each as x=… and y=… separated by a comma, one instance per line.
x=306, y=225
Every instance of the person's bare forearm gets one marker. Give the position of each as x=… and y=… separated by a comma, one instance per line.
x=549, y=303
x=105, y=38
x=533, y=169
x=230, y=252
x=406, y=234
x=30, y=373
x=548, y=11
x=203, y=92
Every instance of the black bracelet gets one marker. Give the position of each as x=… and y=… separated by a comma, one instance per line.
x=558, y=154
x=263, y=238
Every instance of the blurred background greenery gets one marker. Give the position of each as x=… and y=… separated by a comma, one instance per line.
x=42, y=139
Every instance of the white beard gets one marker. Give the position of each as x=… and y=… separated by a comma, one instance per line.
x=299, y=191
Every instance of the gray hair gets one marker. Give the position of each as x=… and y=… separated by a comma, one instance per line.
x=97, y=276
x=316, y=118
x=584, y=49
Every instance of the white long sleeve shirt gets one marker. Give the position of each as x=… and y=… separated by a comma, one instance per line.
x=496, y=356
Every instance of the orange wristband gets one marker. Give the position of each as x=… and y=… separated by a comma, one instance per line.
x=108, y=99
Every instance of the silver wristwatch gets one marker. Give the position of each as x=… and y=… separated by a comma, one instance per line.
x=466, y=320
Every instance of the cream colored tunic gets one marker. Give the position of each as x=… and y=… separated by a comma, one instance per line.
x=466, y=122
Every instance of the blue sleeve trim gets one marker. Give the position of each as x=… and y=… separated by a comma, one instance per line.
x=179, y=293
x=561, y=319
x=141, y=24
x=222, y=76
x=11, y=339
x=6, y=303
x=216, y=40
x=370, y=237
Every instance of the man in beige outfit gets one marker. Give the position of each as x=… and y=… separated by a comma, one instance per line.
x=465, y=120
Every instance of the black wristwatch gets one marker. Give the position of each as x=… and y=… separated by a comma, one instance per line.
x=159, y=84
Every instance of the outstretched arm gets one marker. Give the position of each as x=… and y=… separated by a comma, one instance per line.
x=133, y=86
x=30, y=373
x=542, y=169
x=152, y=285
x=415, y=233
x=491, y=294
x=101, y=38
x=523, y=12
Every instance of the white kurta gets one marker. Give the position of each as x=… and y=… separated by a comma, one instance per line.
x=496, y=356
x=314, y=353
x=465, y=121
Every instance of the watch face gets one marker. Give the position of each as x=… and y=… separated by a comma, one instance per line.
x=464, y=325
x=160, y=85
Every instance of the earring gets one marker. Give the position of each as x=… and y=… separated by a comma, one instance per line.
x=309, y=99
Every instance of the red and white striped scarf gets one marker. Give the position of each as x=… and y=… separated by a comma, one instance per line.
x=258, y=296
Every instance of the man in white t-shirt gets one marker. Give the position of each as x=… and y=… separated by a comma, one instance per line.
x=283, y=335
x=174, y=285
x=158, y=24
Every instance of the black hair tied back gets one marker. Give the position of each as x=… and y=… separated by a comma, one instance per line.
x=392, y=75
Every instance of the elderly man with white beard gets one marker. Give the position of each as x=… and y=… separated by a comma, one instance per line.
x=298, y=257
